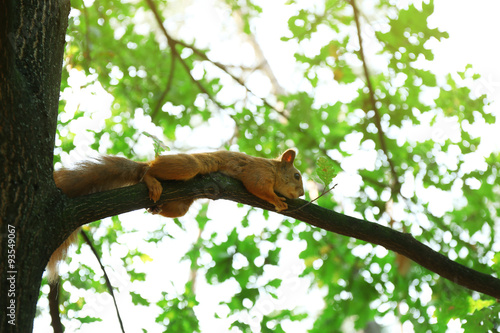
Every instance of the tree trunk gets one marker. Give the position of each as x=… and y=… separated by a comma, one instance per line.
x=32, y=36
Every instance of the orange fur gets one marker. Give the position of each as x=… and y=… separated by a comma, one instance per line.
x=261, y=177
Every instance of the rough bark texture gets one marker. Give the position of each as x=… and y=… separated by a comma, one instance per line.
x=31, y=50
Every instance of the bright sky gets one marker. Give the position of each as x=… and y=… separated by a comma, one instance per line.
x=474, y=29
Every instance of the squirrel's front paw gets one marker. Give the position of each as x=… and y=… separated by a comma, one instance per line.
x=155, y=192
x=154, y=187
x=280, y=205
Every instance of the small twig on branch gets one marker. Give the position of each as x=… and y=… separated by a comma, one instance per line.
x=108, y=282
x=313, y=200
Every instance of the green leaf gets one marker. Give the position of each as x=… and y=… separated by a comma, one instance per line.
x=325, y=170
x=138, y=299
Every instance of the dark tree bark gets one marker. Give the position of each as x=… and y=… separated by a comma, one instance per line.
x=54, y=307
x=31, y=51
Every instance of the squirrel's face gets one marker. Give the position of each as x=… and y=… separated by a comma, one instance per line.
x=289, y=182
x=288, y=179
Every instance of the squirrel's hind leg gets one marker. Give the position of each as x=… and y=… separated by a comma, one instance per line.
x=173, y=208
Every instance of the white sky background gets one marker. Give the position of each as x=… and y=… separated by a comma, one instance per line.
x=474, y=31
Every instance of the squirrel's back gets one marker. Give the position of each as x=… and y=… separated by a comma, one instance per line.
x=186, y=166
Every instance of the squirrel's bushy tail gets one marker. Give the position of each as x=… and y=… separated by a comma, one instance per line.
x=102, y=174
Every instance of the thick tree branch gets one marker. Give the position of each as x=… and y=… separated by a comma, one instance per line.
x=217, y=186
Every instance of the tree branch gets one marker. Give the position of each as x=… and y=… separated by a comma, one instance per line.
x=371, y=92
x=173, y=42
x=175, y=54
x=165, y=92
x=106, y=277
x=54, y=306
x=217, y=186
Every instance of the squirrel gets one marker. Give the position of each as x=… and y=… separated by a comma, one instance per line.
x=262, y=177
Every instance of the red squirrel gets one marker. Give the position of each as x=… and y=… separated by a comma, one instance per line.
x=262, y=177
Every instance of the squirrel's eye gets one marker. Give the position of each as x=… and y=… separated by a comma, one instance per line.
x=297, y=176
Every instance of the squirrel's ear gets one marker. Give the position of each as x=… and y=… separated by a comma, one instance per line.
x=288, y=156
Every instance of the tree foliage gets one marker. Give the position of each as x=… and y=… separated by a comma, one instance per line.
x=404, y=143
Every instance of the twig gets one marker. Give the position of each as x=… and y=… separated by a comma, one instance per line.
x=167, y=89
x=378, y=123
x=87, y=55
x=108, y=282
x=310, y=202
x=238, y=80
x=173, y=42
x=198, y=83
